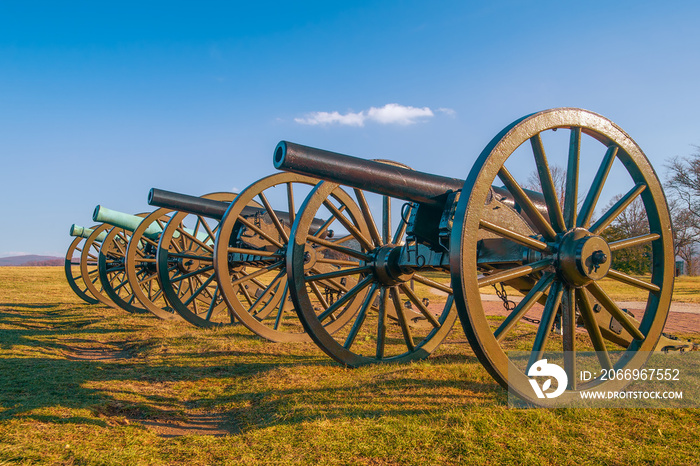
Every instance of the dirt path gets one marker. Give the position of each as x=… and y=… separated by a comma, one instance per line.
x=682, y=318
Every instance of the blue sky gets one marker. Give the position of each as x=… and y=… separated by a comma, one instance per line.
x=100, y=102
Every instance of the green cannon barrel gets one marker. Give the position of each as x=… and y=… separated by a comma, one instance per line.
x=82, y=232
x=126, y=221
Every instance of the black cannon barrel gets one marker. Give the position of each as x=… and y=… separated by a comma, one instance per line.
x=389, y=180
x=381, y=178
x=186, y=203
x=208, y=207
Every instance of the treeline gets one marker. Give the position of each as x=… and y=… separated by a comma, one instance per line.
x=41, y=263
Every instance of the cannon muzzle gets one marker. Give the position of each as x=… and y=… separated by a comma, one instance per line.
x=82, y=232
x=126, y=221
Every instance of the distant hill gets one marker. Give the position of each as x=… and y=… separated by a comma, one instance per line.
x=30, y=260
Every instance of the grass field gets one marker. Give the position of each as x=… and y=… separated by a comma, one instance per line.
x=685, y=290
x=85, y=384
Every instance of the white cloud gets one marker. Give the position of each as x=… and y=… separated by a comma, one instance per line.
x=327, y=118
x=447, y=111
x=389, y=114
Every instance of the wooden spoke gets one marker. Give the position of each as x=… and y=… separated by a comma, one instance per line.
x=524, y=306
x=386, y=219
x=335, y=247
x=584, y=305
x=276, y=221
x=381, y=323
x=631, y=242
x=337, y=273
x=361, y=315
x=291, y=210
x=195, y=240
x=255, y=252
x=571, y=194
x=526, y=204
x=210, y=233
x=603, y=298
x=337, y=262
x=568, y=325
x=280, y=309
x=328, y=223
x=601, y=176
x=187, y=276
x=349, y=225
x=513, y=273
x=345, y=298
x=200, y=289
x=624, y=278
x=367, y=215
x=421, y=307
x=257, y=230
x=403, y=321
x=257, y=273
x=548, y=190
x=549, y=313
x=526, y=241
x=432, y=283
x=617, y=209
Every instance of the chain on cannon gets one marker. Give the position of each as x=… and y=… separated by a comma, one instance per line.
x=552, y=244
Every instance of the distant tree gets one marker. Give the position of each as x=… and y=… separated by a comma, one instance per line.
x=558, y=178
x=683, y=181
x=630, y=223
x=683, y=189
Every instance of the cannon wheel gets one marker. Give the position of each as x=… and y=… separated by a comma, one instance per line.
x=141, y=270
x=75, y=278
x=112, y=270
x=394, y=323
x=89, y=266
x=250, y=255
x=570, y=256
x=185, y=268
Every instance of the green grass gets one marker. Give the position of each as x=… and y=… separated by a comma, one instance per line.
x=85, y=384
x=685, y=289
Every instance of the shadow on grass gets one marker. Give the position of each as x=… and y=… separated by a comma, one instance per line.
x=28, y=306
x=54, y=365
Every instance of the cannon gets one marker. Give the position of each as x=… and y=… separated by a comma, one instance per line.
x=558, y=255
x=183, y=254
x=72, y=261
x=111, y=264
x=241, y=270
x=128, y=264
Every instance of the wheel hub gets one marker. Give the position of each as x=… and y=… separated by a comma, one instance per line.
x=583, y=257
x=386, y=266
x=187, y=265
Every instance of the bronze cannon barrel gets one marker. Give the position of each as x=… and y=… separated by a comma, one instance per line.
x=380, y=178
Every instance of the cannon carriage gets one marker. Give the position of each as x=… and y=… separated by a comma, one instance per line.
x=550, y=248
x=241, y=262
x=72, y=263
